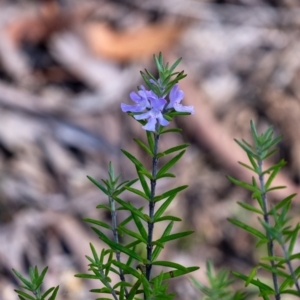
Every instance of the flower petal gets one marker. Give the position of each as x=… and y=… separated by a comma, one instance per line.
x=176, y=96
x=143, y=116
x=182, y=108
x=157, y=103
x=150, y=126
x=162, y=120
x=132, y=108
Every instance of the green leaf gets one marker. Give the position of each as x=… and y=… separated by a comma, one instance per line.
x=133, y=234
x=291, y=292
x=127, y=269
x=167, y=218
x=274, y=270
x=272, y=176
x=177, y=62
x=250, y=229
x=173, y=149
x=176, y=273
x=168, y=175
x=134, y=160
x=131, y=208
x=158, y=249
x=174, y=236
x=99, y=185
x=177, y=130
x=169, y=264
x=255, y=282
x=103, y=206
x=24, y=280
x=244, y=185
x=247, y=148
x=251, y=276
x=146, y=173
x=150, y=141
x=47, y=293
x=121, y=187
x=134, y=290
x=294, y=237
x=250, y=207
x=87, y=276
x=170, y=193
x=138, y=192
x=25, y=295
x=143, y=146
x=169, y=164
x=54, y=294
x=117, y=246
x=140, y=226
x=122, y=283
x=163, y=207
x=96, y=222
x=246, y=166
x=283, y=202
x=144, y=183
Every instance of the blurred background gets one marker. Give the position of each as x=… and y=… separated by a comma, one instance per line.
x=65, y=67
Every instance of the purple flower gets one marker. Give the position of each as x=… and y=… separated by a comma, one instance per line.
x=141, y=100
x=154, y=115
x=176, y=97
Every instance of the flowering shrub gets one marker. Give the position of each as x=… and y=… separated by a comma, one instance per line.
x=154, y=108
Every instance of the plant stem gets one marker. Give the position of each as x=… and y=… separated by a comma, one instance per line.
x=266, y=219
x=116, y=237
x=288, y=262
x=151, y=207
x=107, y=284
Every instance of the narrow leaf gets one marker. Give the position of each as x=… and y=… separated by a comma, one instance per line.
x=250, y=208
x=174, y=236
x=169, y=264
x=143, y=146
x=176, y=273
x=170, y=193
x=99, y=185
x=138, y=192
x=247, y=228
x=163, y=207
x=169, y=164
x=117, y=246
x=96, y=222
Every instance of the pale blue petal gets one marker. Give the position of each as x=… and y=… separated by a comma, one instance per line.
x=150, y=126
x=182, y=108
x=158, y=103
x=143, y=116
x=162, y=120
x=132, y=108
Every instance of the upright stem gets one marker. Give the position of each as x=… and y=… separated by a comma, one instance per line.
x=266, y=219
x=151, y=207
x=116, y=237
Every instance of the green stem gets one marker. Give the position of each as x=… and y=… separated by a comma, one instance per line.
x=266, y=219
x=151, y=207
x=116, y=238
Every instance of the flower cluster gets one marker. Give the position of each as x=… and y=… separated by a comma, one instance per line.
x=152, y=108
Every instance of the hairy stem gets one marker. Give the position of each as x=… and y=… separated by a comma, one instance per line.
x=266, y=219
x=151, y=207
x=116, y=237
